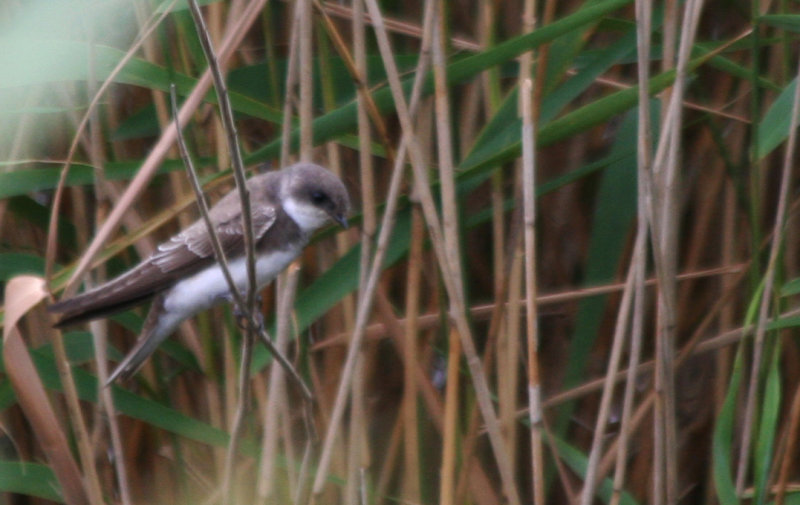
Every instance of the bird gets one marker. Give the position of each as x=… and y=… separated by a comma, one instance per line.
x=182, y=277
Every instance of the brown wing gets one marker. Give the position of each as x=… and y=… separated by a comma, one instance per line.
x=185, y=254
x=184, y=249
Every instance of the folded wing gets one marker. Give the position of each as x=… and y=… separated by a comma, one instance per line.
x=182, y=256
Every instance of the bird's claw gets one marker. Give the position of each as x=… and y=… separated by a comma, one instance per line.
x=241, y=316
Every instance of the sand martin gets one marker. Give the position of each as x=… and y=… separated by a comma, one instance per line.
x=183, y=278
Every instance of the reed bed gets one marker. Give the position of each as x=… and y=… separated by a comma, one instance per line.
x=572, y=274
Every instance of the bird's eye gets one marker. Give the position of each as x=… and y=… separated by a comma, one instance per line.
x=318, y=197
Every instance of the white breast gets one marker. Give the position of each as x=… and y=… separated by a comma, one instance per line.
x=208, y=287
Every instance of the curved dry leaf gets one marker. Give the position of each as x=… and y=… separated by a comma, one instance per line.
x=21, y=295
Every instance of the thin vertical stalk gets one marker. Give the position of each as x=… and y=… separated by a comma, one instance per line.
x=450, y=428
x=664, y=217
x=52, y=232
x=639, y=264
x=291, y=82
x=360, y=80
x=623, y=317
x=99, y=329
x=356, y=450
x=659, y=434
x=445, y=149
x=229, y=126
x=366, y=296
x=367, y=177
x=452, y=250
x=90, y=476
x=790, y=450
x=356, y=439
x=277, y=389
x=766, y=297
x=644, y=159
x=531, y=310
x=529, y=105
x=508, y=349
x=456, y=297
x=159, y=151
x=411, y=457
x=306, y=69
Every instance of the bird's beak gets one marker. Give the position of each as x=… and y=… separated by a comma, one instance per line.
x=341, y=219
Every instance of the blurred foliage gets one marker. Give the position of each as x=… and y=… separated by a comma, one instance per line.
x=176, y=415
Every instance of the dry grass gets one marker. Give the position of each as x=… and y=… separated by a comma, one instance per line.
x=571, y=278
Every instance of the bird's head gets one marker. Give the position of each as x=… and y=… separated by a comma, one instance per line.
x=313, y=195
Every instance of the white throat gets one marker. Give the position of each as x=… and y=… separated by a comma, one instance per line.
x=307, y=217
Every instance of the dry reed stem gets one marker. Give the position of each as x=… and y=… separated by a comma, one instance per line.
x=473, y=475
x=62, y=362
x=366, y=296
x=305, y=69
x=727, y=315
x=159, y=151
x=639, y=265
x=362, y=315
x=84, y=438
x=766, y=296
x=457, y=310
x=411, y=457
x=359, y=76
x=104, y=409
x=664, y=216
x=643, y=14
x=452, y=249
x=444, y=143
x=21, y=294
x=291, y=82
x=364, y=103
x=277, y=389
x=395, y=25
x=356, y=448
x=694, y=345
x=90, y=477
x=483, y=312
x=390, y=457
x=509, y=340
x=450, y=429
x=52, y=231
x=229, y=127
x=592, y=475
x=789, y=450
x=528, y=179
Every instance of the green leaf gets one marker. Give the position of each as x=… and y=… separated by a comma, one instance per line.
x=784, y=322
x=13, y=264
x=30, y=479
x=615, y=211
x=722, y=442
x=577, y=461
x=343, y=119
x=792, y=287
x=43, y=177
x=768, y=426
x=125, y=402
x=774, y=127
x=789, y=22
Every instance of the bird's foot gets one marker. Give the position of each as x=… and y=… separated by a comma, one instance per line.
x=241, y=315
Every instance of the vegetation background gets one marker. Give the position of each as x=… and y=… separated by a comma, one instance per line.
x=571, y=278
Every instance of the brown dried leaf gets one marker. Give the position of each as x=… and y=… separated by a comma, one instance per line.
x=23, y=293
